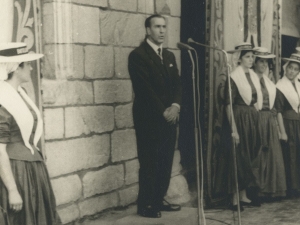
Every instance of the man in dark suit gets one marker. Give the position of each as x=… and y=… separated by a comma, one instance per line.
x=156, y=107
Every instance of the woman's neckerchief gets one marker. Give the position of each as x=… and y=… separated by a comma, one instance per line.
x=12, y=101
x=288, y=90
x=271, y=87
x=240, y=79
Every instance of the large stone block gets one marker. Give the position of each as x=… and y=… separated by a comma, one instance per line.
x=128, y=195
x=132, y=171
x=54, y=123
x=67, y=189
x=123, y=115
x=74, y=155
x=90, y=119
x=86, y=27
x=123, y=145
x=121, y=61
x=63, y=61
x=173, y=32
x=112, y=91
x=48, y=23
x=94, y=205
x=175, y=6
x=128, y=5
x=123, y=29
x=146, y=6
x=102, y=181
x=62, y=92
x=178, y=191
x=99, y=62
x=68, y=214
x=168, y=7
x=70, y=23
x=98, y=3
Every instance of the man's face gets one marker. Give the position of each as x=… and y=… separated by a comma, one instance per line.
x=157, y=30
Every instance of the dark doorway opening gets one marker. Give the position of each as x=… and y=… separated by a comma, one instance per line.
x=193, y=25
x=288, y=46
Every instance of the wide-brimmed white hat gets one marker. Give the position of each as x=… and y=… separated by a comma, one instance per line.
x=16, y=52
x=295, y=57
x=242, y=46
x=263, y=52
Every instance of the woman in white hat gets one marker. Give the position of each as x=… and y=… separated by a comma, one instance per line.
x=269, y=163
x=288, y=107
x=246, y=99
x=26, y=194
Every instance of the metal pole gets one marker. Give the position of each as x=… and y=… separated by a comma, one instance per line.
x=196, y=138
x=233, y=149
x=200, y=140
x=190, y=40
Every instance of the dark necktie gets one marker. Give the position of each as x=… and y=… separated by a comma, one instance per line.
x=159, y=54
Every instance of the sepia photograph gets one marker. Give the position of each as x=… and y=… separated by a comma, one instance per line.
x=149, y=112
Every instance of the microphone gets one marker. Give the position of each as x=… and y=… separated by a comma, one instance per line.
x=190, y=40
x=184, y=46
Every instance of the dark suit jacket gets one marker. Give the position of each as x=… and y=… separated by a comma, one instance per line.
x=156, y=87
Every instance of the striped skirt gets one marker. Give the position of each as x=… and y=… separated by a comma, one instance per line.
x=33, y=183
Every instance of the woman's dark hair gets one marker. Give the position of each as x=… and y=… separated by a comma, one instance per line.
x=258, y=58
x=9, y=76
x=244, y=52
x=270, y=62
x=294, y=63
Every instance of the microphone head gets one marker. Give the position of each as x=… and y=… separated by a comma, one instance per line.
x=190, y=40
x=184, y=46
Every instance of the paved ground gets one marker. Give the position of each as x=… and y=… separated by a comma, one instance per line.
x=286, y=212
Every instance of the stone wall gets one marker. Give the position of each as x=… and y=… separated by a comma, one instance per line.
x=87, y=101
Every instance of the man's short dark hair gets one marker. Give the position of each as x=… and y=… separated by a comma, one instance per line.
x=148, y=20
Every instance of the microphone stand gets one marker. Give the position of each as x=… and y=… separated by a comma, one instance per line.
x=196, y=133
x=190, y=40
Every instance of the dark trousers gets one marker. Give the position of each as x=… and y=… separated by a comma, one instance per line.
x=156, y=159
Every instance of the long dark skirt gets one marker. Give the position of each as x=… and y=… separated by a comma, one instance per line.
x=291, y=154
x=271, y=173
x=33, y=183
x=246, y=118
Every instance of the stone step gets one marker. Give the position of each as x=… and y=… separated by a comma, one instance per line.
x=186, y=216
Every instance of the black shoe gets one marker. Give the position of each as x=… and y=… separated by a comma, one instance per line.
x=149, y=211
x=166, y=206
x=235, y=207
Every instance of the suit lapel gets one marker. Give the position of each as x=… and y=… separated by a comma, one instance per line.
x=153, y=55
x=166, y=61
x=163, y=67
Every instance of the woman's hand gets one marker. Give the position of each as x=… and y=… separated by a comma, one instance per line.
x=283, y=137
x=236, y=138
x=15, y=200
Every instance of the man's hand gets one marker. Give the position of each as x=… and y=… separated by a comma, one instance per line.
x=171, y=114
